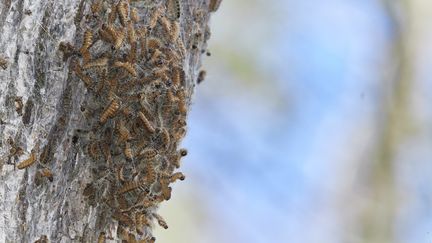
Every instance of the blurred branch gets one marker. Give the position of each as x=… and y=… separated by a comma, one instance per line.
x=379, y=216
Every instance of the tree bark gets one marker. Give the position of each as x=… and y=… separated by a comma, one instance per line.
x=94, y=97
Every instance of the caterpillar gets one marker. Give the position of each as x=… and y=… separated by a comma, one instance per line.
x=123, y=218
x=129, y=186
x=84, y=77
x=127, y=66
x=177, y=176
x=100, y=62
x=147, y=125
x=122, y=10
x=174, y=31
x=101, y=238
x=124, y=133
x=134, y=15
x=214, y=5
x=174, y=8
x=177, y=76
x=87, y=42
x=27, y=162
x=182, y=101
x=148, y=153
x=109, y=111
x=128, y=151
x=45, y=172
x=160, y=220
x=201, y=76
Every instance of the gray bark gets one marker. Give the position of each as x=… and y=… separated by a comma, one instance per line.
x=61, y=117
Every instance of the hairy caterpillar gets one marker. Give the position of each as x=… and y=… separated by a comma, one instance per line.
x=177, y=176
x=27, y=162
x=109, y=111
x=147, y=125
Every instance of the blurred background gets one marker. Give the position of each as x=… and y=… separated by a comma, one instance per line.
x=314, y=124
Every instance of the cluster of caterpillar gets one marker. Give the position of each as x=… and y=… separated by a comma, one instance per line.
x=132, y=68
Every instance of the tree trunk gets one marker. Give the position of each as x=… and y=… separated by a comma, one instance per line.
x=94, y=97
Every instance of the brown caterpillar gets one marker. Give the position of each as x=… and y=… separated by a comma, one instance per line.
x=119, y=36
x=120, y=175
x=96, y=7
x=179, y=134
x=84, y=77
x=182, y=49
x=148, y=153
x=123, y=234
x=160, y=220
x=45, y=172
x=97, y=63
x=129, y=186
x=27, y=162
x=183, y=152
x=162, y=75
x=122, y=10
x=106, y=33
x=156, y=55
x=105, y=147
x=142, y=33
x=112, y=83
x=86, y=56
x=131, y=238
x=132, y=57
x=182, y=101
x=109, y=111
x=201, y=76
x=94, y=150
x=3, y=63
x=134, y=15
x=166, y=137
x=177, y=176
x=87, y=41
x=172, y=56
x=174, y=8
x=166, y=192
x=113, y=14
x=174, y=31
x=175, y=160
x=127, y=112
x=79, y=15
x=127, y=66
x=123, y=131
x=178, y=76
x=131, y=33
x=154, y=17
x=214, y=5
x=141, y=221
x=42, y=239
x=122, y=202
x=170, y=96
x=154, y=43
x=67, y=48
x=150, y=176
x=147, y=125
x=160, y=72
x=101, y=238
x=123, y=218
x=166, y=24
x=128, y=151
x=18, y=105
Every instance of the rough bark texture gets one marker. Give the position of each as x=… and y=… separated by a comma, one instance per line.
x=90, y=128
